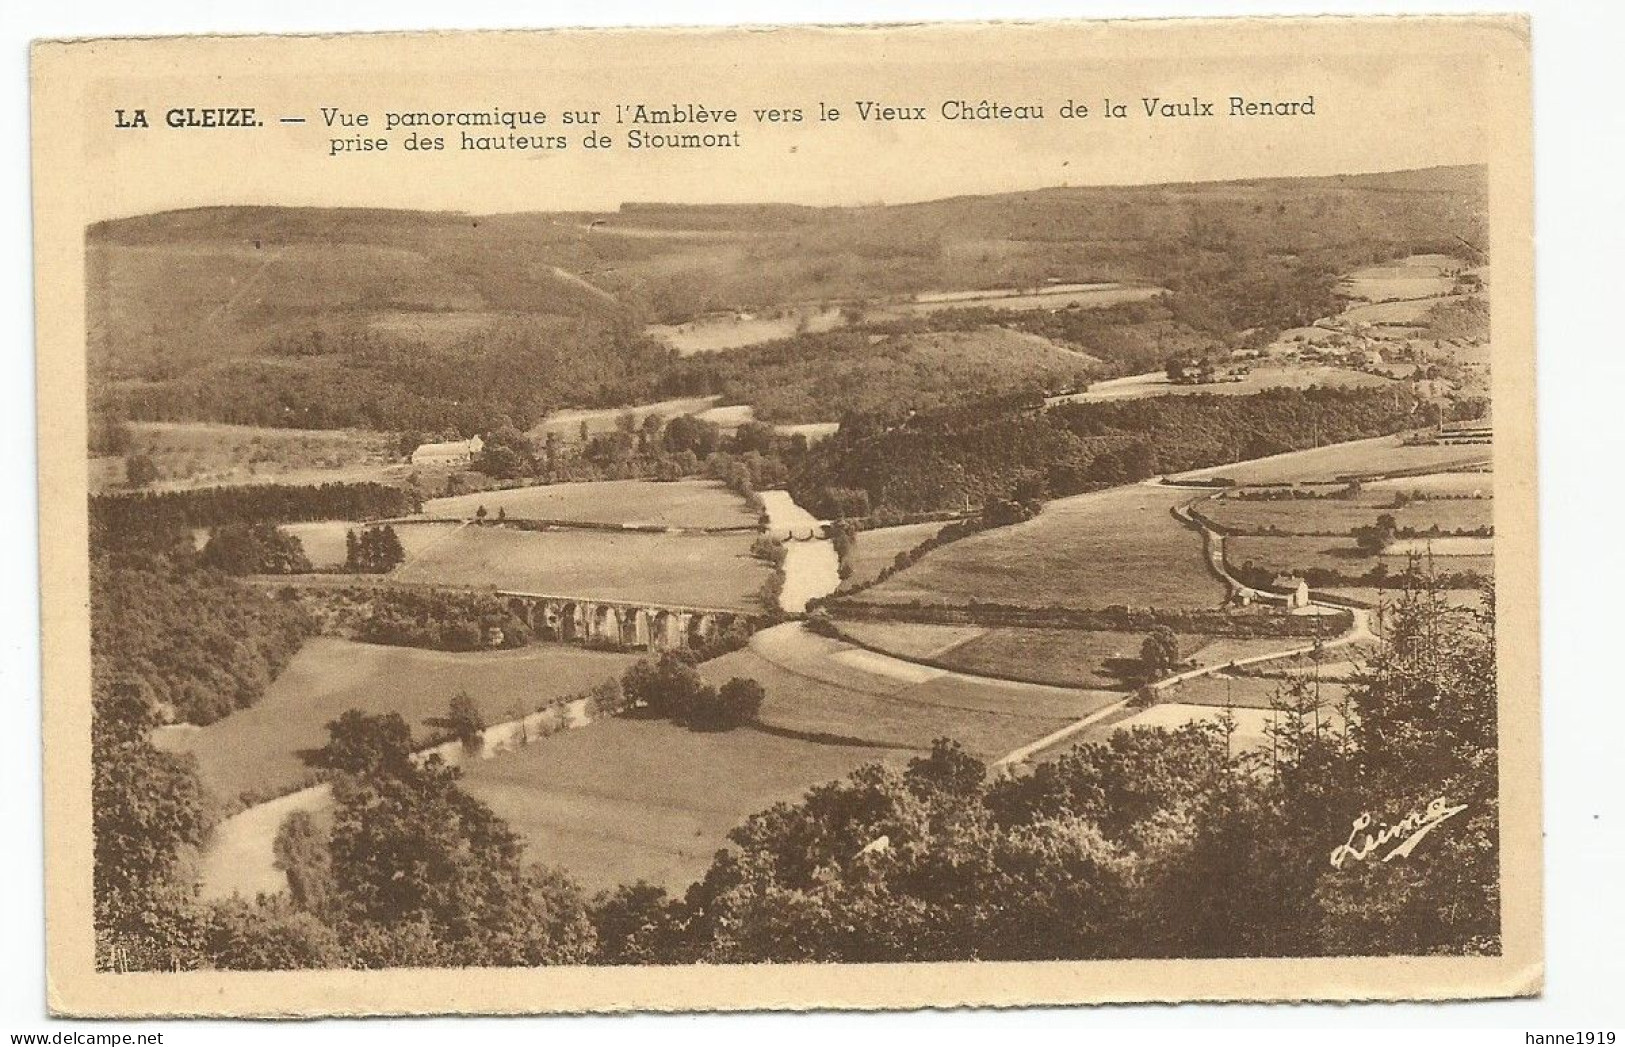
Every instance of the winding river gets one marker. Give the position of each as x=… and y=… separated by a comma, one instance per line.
x=811, y=568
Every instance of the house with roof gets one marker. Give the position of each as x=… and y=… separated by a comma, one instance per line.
x=452, y=452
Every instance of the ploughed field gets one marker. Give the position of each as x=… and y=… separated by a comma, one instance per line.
x=1119, y=546
x=681, y=503
x=256, y=750
x=715, y=571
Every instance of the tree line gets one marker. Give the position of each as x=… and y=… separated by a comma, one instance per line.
x=961, y=459
x=120, y=515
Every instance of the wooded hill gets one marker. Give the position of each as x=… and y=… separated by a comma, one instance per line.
x=426, y=321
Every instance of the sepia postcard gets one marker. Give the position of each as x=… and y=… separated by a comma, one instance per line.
x=787, y=518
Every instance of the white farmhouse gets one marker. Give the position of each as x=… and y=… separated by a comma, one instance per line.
x=455, y=452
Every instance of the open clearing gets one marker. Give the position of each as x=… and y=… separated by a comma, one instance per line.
x=1338, y=554
x=875, y=550
x=825, y=689
x=712, y=334
x=1118, y=546
x=681, y=503
x=1080, y=296
x=688, y=570
x=325, y=545
x=629, y=799
x=1061, y=657
x=202, y=454
x=257, y=749
x=1476, y=484
x=1339, y=515
x=567, y=424
x=1379, y=456
x=1269, y=376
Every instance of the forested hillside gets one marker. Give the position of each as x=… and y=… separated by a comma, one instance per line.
x=958, y=459
x=429, y=322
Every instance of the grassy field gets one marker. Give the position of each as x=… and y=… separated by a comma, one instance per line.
x=712, y=334
x=628, y=799
x=873, y=551
x=1120, y=546
x=1339, y=515
x=1249, y=692
x=1272, y=376
x=1062, y=657
x=258, y=748
x=1464, y=483
x=1332, y=554
x=567, y=424
x=324, y=541
x=204, y=454
x=1382, y=455
x=689, y=570
x=911, y=639
x=819, y=687
x=683, y=503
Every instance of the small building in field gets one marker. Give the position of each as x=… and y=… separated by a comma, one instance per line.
x=454, y=452
x=1293, y=589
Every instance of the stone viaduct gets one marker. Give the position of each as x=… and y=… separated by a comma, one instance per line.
x=654, y=627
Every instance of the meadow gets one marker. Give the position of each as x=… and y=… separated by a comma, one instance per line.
x=567, y=425
x=1266, y=376
x=826, y=689
x=681, y=503
x=1377, y=457
x=1059, y=657
x=200, y=454
x=875, y=550
x=1118, y=546
x=1343, y=556
x=716, y=571
x=1339, y=515
x=257, y=749
x=630, y=799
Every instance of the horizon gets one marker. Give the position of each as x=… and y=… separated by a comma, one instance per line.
x=653, y=203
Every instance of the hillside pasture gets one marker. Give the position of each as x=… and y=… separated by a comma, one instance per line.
x=1377, y=457
x=257, y=749
x=1059, y=657
x=566, y=425
x=325, y=544
x=1473, y=483
x=876, y=549
x=631, y=799
x=715, y=571
x=1339, y=515
x=1119, y=546
x=825, y=689
x=1260, y=378
x=713, y=334
x=202, y=454
x=1338, y=554
x=681, y=503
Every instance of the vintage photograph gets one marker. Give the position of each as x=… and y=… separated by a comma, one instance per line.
x=1030, y=563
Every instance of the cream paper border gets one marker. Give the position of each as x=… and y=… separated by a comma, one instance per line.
x=66, y=188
